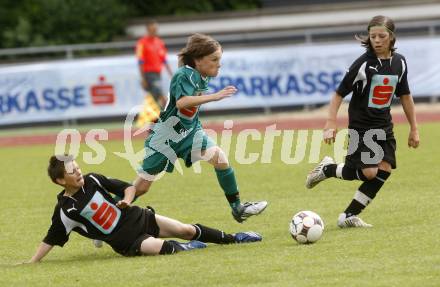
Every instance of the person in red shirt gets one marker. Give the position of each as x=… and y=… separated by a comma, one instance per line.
x=151, y=54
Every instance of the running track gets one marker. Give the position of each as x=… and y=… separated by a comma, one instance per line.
x=281, y=124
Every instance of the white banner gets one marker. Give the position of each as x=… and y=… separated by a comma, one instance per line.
x=68, y=90
x=265, y=77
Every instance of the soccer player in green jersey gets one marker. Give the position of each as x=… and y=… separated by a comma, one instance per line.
x=179, y=133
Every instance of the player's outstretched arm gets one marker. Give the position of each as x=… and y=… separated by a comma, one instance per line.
x=410, y=113
x=42, y=250
x=129, y=194
x=330, y=127
x=189, y=101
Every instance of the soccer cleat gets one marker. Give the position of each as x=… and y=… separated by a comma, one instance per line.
x=246, y=237
x=247, y=209
x=317, y=174
x=98, y=243
x=186, y=246
x=351, y=221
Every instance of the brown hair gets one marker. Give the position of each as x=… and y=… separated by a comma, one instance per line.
x=383, y=21
x=152, y=22
x=197, y=47
x=56, y=166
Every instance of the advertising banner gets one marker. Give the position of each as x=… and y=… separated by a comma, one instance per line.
x=264, y=76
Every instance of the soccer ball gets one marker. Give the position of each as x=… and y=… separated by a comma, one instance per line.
x=306, y=227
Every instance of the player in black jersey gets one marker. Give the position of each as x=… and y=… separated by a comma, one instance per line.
x=87, y=207
x=374, y=78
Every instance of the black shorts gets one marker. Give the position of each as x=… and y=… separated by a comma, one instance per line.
x=151, y=229
x=154, y=84
x=363, y=156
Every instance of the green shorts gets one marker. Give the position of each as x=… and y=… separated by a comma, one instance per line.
x=155, y=162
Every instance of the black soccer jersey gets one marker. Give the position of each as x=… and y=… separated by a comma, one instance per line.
x=374, y=82
x=93, y=213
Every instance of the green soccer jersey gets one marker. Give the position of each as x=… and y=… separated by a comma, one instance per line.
x=187, y=81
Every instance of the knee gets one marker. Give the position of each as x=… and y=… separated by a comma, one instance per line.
x=370, y=173
x=219, y=159
x=151, y=246
x=187, y=231
x=385, y=166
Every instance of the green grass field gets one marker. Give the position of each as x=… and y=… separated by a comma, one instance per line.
x=402, y=249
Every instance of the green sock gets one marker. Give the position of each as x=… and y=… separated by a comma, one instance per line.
x=226, y=179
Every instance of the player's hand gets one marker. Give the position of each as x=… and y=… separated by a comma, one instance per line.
x=226, y=92
x=330, y=131
x=413, y=138
x=122, y=204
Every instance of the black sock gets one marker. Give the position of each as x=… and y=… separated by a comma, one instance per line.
x=366, y=193
x=169, y=247
x=349, y=173
x=354, y=208
x=330, y=170
x=234, y=200
x=207, y=234
x=346, y=173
